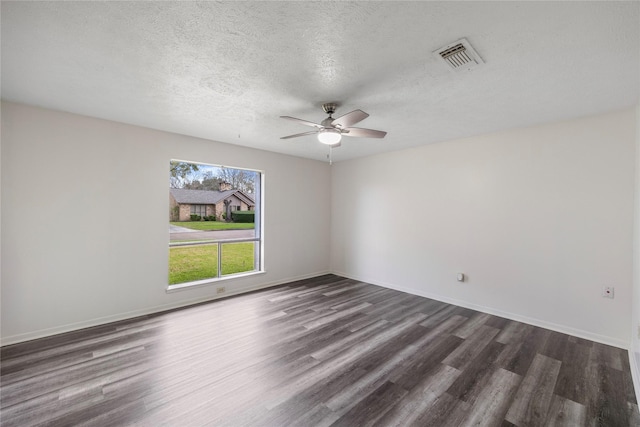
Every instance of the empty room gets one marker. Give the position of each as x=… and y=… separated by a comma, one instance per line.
x=320, y=213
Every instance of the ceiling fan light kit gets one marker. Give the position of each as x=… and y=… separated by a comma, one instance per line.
x=329, y=136
x=330, y=130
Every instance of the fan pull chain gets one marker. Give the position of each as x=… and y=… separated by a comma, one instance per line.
x=330, y=155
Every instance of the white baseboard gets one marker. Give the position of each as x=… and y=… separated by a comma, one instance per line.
x=42, y=333
x=489, y=310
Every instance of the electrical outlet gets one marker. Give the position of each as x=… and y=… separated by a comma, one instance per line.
x=607, y=292
x=220, y=290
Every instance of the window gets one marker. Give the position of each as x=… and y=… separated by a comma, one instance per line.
x=219, y=244
x=199, y=210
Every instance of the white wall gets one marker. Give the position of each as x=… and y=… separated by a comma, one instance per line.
x=634, y=351
x=84, y=219
x=538, y=218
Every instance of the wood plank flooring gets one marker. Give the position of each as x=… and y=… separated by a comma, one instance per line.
x=326, y=351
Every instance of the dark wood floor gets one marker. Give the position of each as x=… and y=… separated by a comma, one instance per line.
x=324, y=351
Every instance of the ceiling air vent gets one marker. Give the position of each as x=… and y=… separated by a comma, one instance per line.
x=459, y=55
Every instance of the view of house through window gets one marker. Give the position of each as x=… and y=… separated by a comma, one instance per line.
x=214, y=222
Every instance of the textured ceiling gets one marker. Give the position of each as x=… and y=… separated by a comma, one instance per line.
x=226, y=70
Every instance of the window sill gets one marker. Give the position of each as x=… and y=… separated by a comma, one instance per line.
x=213, y=281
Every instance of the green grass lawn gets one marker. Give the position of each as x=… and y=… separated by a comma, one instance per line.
x=214, y=225
x=191, y=263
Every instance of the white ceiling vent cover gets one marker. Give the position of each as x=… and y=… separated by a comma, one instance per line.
x=459, y=55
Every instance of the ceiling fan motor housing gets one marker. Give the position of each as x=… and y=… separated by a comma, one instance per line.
x=326, y=123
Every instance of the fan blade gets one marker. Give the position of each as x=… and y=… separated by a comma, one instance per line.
x=350, y=119
x=313, y=132
x=364, y=133
x=302, y=122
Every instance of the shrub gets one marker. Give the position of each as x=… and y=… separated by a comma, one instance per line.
x=175, y=213
x=243, y=216
x=210, y=218
x=195, y=217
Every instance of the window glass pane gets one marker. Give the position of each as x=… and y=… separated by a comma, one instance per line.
x=191, y=263
x=238, y=257
x=215, y=239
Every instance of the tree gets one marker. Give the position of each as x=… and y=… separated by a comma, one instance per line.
x=192, y=185
x=205, y=181
x=210, y=182
x=239, y=179
x=195, y=176
x=180, y=172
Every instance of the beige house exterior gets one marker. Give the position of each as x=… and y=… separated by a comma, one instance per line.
x=183, y=203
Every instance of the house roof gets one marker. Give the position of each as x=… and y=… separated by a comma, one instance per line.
x=206, y=197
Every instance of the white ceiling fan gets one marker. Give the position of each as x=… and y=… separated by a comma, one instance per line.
x=330, y=130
